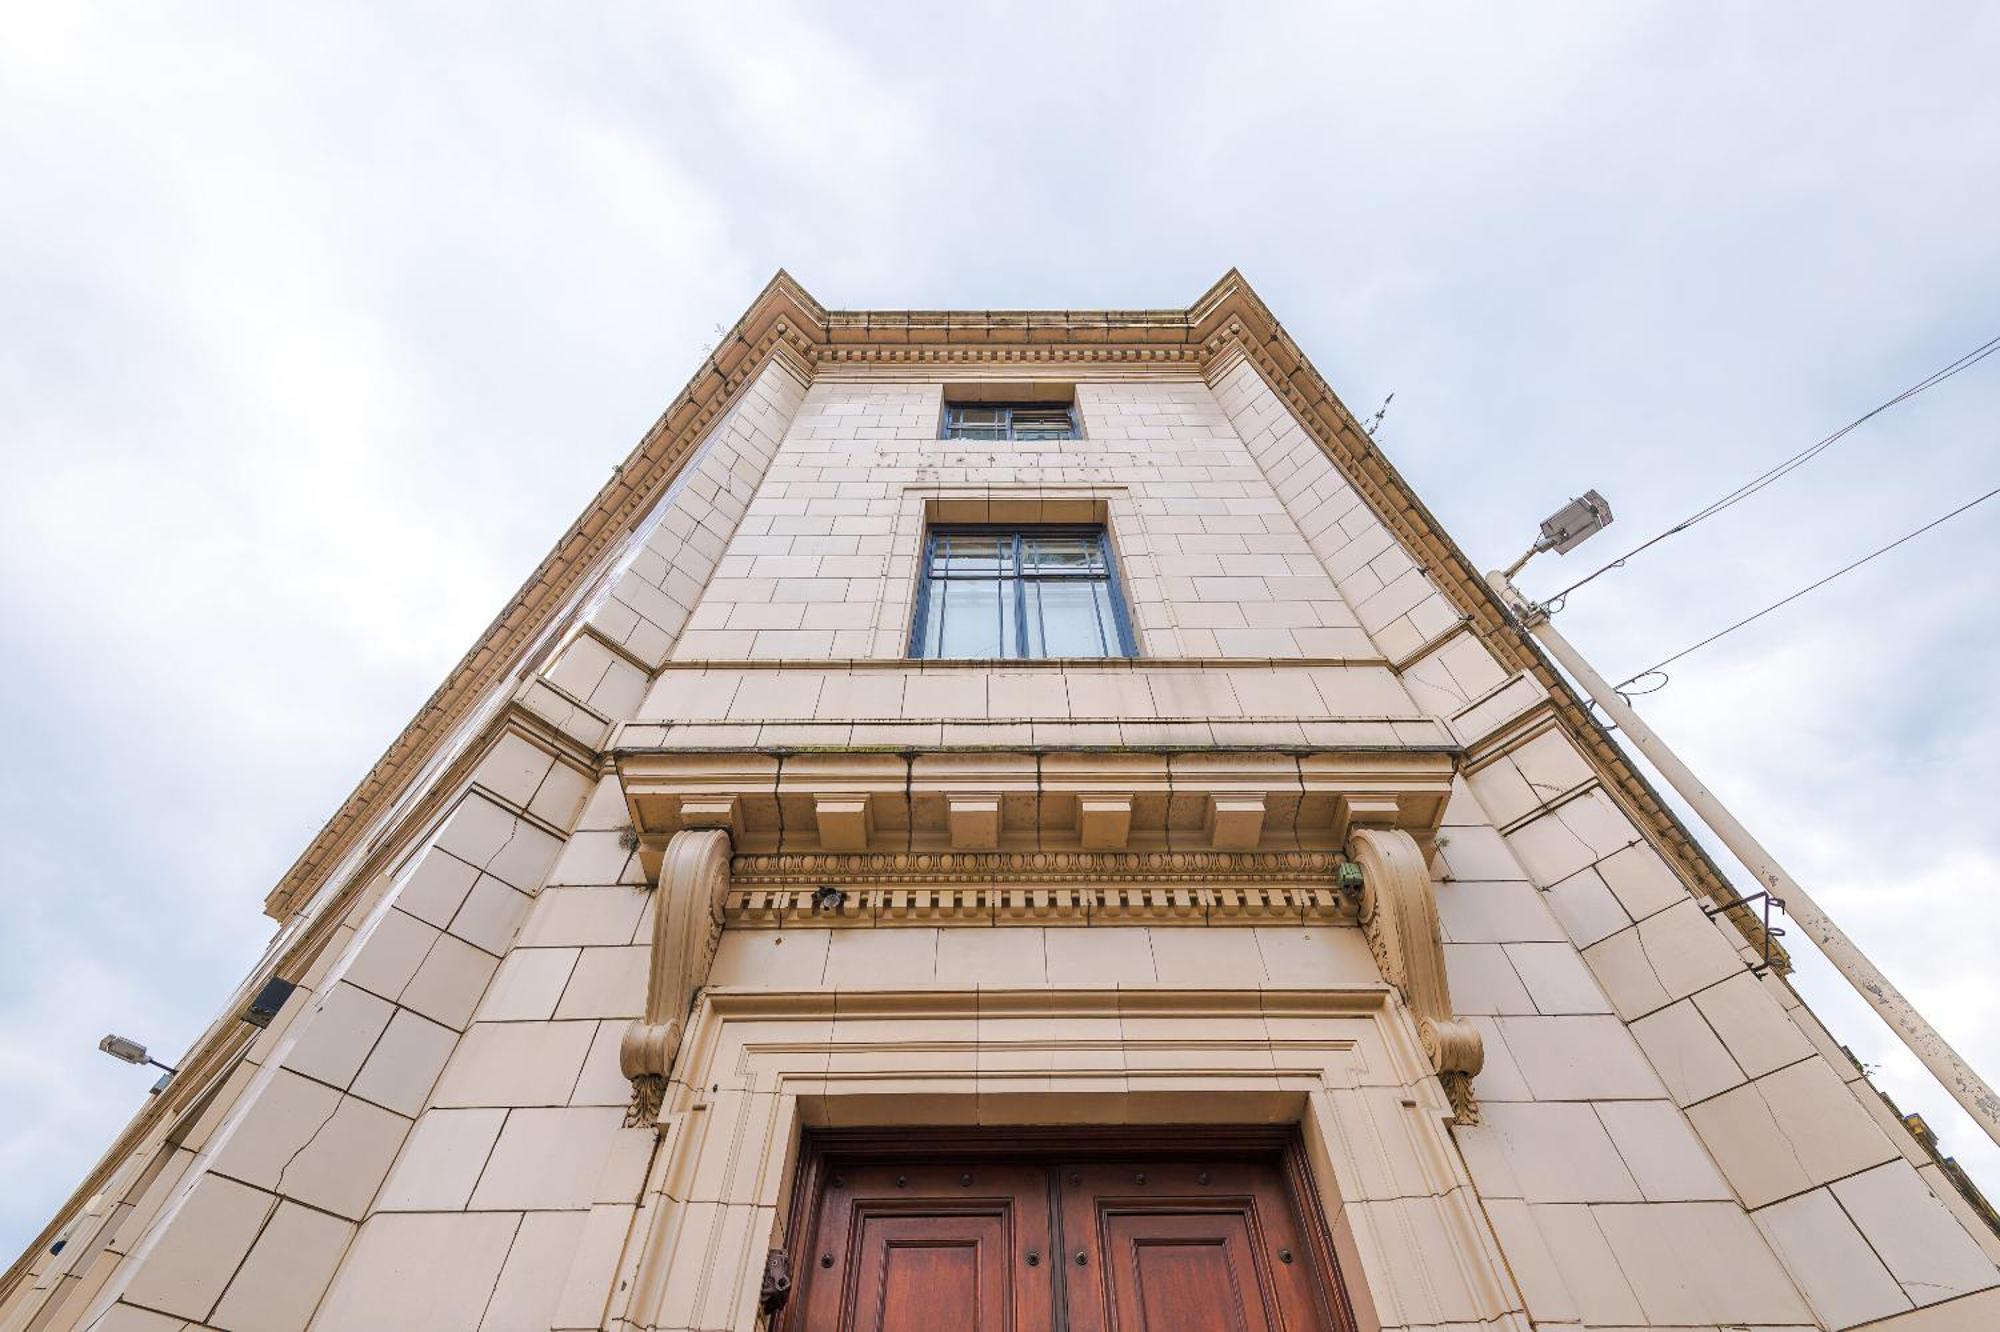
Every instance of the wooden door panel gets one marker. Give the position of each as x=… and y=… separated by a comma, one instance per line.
x=926, y=1247
x=978, y=1233
x=1182, y=1272
x=1186, y=1246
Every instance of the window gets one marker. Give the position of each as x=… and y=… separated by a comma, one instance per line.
x=1023, y=592
x=1015, y=420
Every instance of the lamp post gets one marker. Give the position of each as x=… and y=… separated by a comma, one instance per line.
x=1569, y=527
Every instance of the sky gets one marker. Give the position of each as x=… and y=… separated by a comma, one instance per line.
x=318, y=325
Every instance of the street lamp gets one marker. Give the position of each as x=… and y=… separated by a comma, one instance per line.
x=1568, y=528
x=132, y=1052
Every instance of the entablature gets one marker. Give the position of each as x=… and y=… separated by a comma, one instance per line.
x=971, y=810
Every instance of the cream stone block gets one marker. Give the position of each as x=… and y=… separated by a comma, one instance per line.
x=1788, y=1131
x=1665, y=957
x=1831, y=1261
x=1586, y=907
x=580, y=1301
x=845, y=822
x=1758, y=1034
x=447, y=986
x=441, y=1161
x=1694, y=1263
x=1501, y=1078
x=1329, y=956
x=877, y=959
x=433, y=1271
x=1530, y=1259
x=1926, y=1250
x=773, y=959
x=1101, y=955
x=1589, y=1270
x=491, y=914
x=974, y=822
x=607, y=982
x=602, y=1082
x=561, y=796
x=391, y=954
x=1579, y=1059
x=547, y=1159
x=1968, y=1313
x=1556, y=978
x=435, y=887
x=198, y=1248
x=482, y=833
x=1483, y=981
x=524, y=1300
x=405, y=1062
x=1560, y=1153
x=335, y=1037
x=1662, y=1152
x=1206, y=957
x=125, y=1318
x=515, y=1063
x=1103, y=822
x=514, y=767
x=1477, y=854
x=584, y=916
x=1641, y=881
x=1496, y=911
x=335, y=1159
x=1686, y=1053
x=593, y=858
x=528, y=985
x=1005, y=956
x=281, y=1281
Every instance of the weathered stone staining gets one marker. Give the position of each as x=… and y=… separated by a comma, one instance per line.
x=692, y=855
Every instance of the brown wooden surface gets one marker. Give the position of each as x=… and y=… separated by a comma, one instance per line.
x=905, y=1234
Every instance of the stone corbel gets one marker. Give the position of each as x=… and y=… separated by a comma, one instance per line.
x=687, y=923
x=1399, y=915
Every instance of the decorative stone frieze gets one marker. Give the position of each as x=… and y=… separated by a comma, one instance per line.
x=687, y=922
x=1399, y=914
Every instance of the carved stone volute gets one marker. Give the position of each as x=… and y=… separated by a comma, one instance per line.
x=1399, y=915
x=687, y=923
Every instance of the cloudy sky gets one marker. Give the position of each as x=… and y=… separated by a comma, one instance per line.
x=317, y=328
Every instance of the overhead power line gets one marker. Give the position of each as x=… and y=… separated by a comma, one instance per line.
x=1788, y=466
x=1655, y=668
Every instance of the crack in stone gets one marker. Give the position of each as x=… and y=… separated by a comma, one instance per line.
x=284, y=1169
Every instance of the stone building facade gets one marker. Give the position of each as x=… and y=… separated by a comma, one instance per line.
x=707, y=881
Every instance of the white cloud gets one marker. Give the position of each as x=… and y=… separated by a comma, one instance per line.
x=323, y=324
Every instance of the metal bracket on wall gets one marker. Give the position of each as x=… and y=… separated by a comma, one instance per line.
x=1771, y=932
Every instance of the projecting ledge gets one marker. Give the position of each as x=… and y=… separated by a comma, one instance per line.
x=859, y=802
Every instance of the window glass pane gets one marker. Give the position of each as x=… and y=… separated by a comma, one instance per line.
x=1042, y=423
x=1059, y=553
x=977, y=422
x=971, y=554
x=968, y=617
x=1064, y=620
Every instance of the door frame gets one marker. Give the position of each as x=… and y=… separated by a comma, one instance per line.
x=821, y=1149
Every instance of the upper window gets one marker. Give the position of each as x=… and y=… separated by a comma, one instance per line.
x=1025, y=592
x=1010, y=420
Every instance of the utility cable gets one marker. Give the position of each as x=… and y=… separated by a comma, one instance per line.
x=1654, y=669
x=1789, y=465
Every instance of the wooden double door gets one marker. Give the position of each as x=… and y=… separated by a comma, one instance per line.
x=1168, y=1234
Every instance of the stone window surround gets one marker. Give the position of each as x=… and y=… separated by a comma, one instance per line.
x=1344, y=1066
x=928, y=504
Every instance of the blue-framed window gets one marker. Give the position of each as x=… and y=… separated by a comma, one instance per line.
x=1019, y=592
x=1011, y=420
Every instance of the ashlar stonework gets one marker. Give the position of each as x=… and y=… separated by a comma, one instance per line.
x=692, y=878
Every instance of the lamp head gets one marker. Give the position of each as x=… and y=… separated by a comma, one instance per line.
x=1574, y=523
x=123, y=1047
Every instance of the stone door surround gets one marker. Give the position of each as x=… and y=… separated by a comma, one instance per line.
x=1064, y=1225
